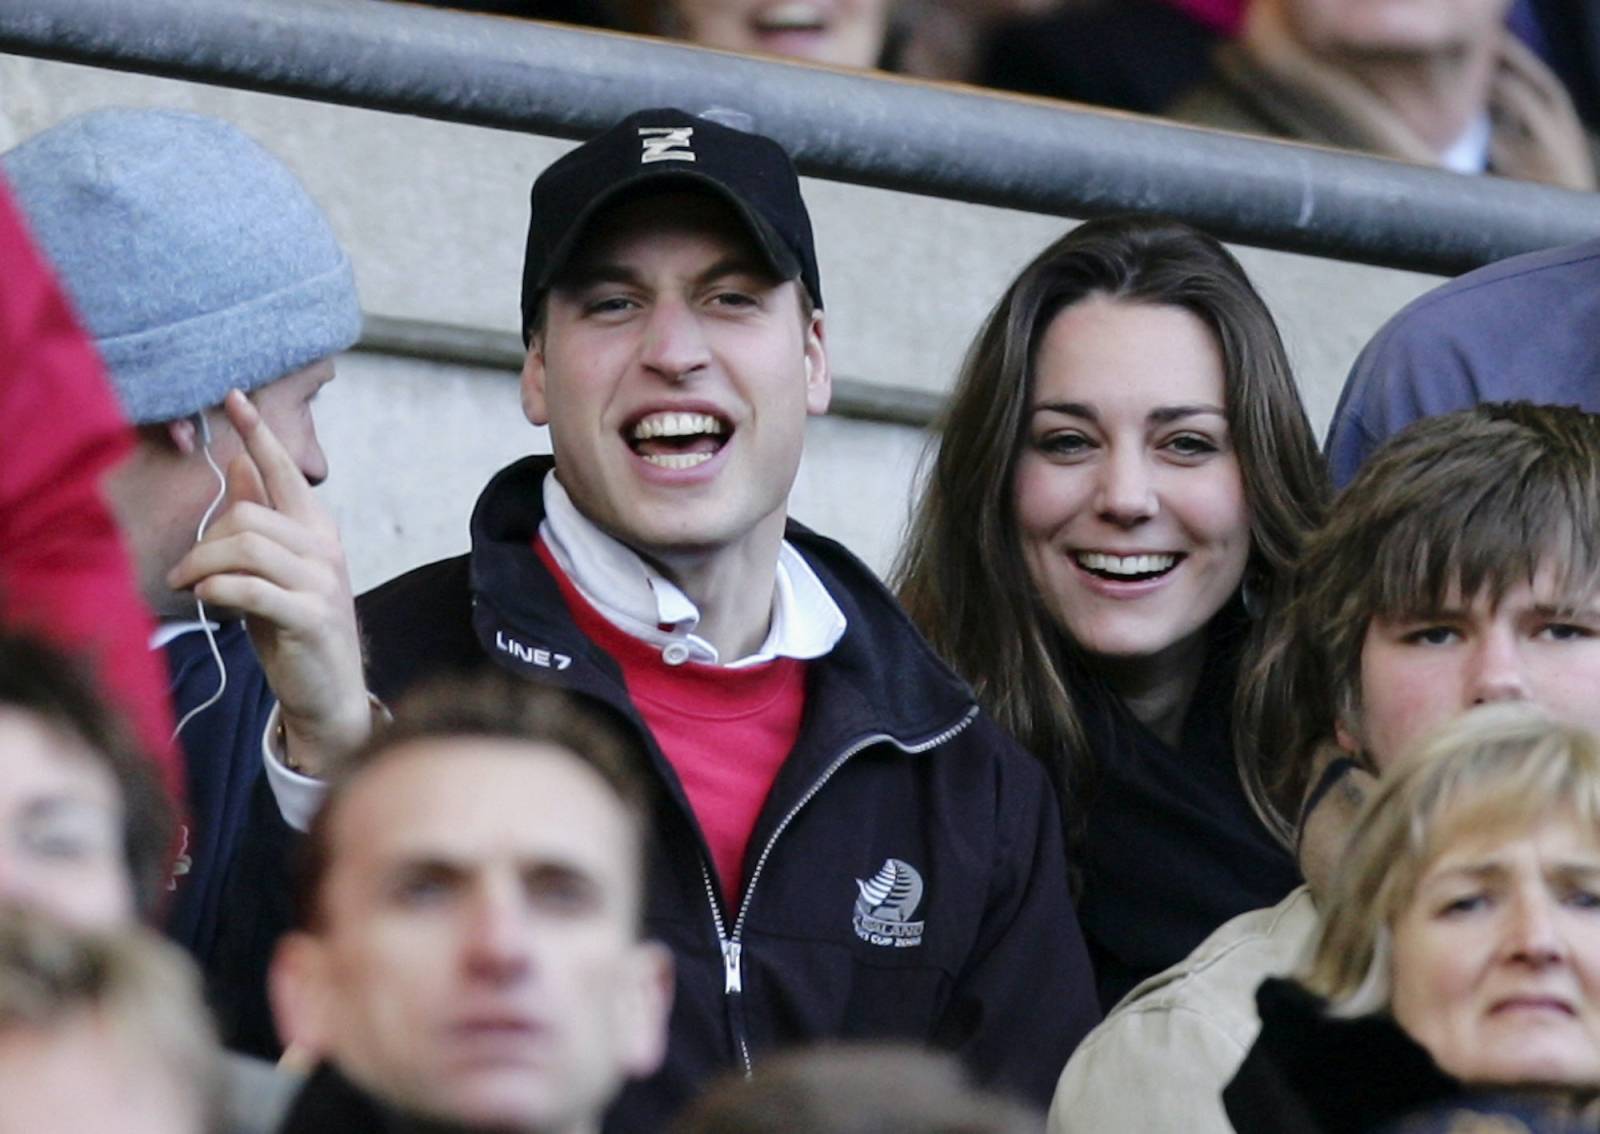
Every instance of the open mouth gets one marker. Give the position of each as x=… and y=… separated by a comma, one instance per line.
x=797, y=16
x=676, y=440
x=1125, y=568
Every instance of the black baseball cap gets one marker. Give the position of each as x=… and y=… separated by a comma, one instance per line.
x=655, y=151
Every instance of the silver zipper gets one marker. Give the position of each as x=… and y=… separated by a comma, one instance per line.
x=732, y=979
x=716, y=917
x=732, y=947
x=732, y=972
x=865, y=742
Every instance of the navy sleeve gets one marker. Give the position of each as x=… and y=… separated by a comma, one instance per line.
x=259, y=899
x=222, y=758
x=1378, y=400
x=230, y=902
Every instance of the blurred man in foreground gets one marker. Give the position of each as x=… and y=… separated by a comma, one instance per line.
x=470, y=949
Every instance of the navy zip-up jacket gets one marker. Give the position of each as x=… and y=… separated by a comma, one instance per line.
x=906, y=878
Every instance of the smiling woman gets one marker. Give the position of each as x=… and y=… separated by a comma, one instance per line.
x=1123, y=473
x=1129, y=499
x=1460, y=949
x=844, y=33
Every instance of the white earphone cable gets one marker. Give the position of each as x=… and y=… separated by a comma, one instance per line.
x=199, y=606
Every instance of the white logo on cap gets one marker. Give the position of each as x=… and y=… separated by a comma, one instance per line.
x=666, y=143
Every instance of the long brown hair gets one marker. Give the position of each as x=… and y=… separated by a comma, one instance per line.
x=961, y=574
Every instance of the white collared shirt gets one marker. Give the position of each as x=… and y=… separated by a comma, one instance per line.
x=644, y=604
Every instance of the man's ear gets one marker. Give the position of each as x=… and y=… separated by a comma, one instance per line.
x=646, y=1004
x=298, y=986
x=534, y=406
x=183, y=435
x=819, y=382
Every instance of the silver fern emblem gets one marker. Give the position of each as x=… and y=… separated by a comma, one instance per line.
x=892, y=894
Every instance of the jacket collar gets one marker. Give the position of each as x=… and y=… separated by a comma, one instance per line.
x=881, y=677
x=636, y=598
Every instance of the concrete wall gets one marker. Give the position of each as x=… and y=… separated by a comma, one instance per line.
x=435, y=215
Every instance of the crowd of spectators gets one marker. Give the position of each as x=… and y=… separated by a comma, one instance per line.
x=1162, y=786
x=1510, y=87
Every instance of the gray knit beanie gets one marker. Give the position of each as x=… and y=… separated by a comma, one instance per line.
x=193, y=256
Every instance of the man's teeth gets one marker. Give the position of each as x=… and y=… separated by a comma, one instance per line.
x=790, y=17
x=676, y=460
x=1125, y=564
x=676, y=425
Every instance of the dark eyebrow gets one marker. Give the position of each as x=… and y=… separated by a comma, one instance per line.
x=739, y=265
x=1566, y=610
x=1068, y=409
x=585, y=275
x=1460, y=613
x=1164, y=415
x=1427, y=614
x=541, y=871
x=592, y=273
x=427, y=862
x=1161, y=415
x=445, y=865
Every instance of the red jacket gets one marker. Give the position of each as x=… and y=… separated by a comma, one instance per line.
x=64, y=571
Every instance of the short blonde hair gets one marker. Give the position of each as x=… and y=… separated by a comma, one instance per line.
x=144, y=989
x=1499, y=769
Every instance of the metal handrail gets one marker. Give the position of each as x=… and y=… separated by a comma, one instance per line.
x=933, y=139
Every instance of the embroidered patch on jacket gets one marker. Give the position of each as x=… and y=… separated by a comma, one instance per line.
x=886, y=904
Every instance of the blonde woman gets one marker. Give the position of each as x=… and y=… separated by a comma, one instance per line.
x=1459, y=951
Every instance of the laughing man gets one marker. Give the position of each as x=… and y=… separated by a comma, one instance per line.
x=847, y=847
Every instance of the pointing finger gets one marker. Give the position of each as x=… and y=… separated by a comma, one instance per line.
x=286, y=485
x=244, y=482
x=294, y=535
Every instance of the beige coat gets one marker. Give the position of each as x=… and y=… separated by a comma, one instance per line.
x=1160, y=1060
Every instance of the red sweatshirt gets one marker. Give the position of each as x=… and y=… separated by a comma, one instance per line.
x=726, y=732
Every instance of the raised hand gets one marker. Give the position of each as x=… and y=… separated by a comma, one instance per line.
x=274, y=555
